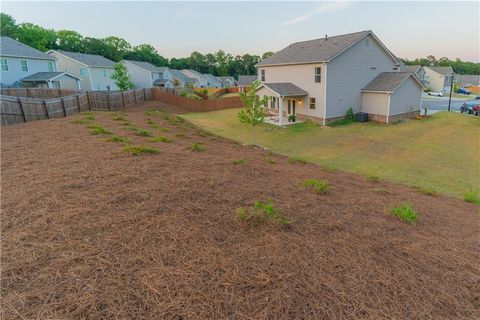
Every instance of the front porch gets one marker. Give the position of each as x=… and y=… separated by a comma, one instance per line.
x=272, y=117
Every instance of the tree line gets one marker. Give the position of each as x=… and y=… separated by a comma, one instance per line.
x=114, y=48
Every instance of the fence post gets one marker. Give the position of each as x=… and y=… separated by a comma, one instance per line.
x=144, y=94
x=46, y=108
x=63, y=107
x=78, y=101
x=123, y=99
x=88, y=101
x=135, y=96
x=20, y=103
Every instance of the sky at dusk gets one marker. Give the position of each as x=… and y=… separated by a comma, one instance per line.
x=175, y=29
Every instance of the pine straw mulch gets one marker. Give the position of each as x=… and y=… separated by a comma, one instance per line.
x=91, y=232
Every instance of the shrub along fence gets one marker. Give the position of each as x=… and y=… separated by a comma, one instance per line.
x=169, y=97
x=23, y=105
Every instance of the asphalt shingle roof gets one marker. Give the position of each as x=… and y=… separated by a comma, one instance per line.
x=91, y=60
x=414, y=68
x=13, y=48
x=44, y=76
x=442, y=70
x=147, y=66
x=466, y=79
x=182, y=77
x=286, y=89
x=246, y=80
x=387, y=81
x=316, y=50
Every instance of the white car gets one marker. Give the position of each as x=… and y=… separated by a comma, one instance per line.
x=435, y=93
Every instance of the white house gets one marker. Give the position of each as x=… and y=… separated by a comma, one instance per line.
x=228, y=81
x=94, y=71
x=19, y=61
x=438, y=78
x=321, y=79
x=146, y=75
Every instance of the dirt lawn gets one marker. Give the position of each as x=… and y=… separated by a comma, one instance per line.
x=92, y=232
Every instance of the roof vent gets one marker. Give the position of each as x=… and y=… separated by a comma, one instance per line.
x=326, y=37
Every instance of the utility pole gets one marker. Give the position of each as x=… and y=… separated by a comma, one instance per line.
x=450, y=97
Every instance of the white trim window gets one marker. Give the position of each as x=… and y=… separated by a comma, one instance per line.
x=83, y=71
x=272, y=102
x=4, y=65
x=50, y=66
x=318, y=74
x=24, y=65
x=312, y=103
x=263, y=75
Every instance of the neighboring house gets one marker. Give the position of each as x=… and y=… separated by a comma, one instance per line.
x=417, y=70
x=146, y=75
x=438, y=78
x=228, y=81
x=55, y=80
x=469, y=82
x=321, y=79
x=192, y=74
x=94, y=70
x=19, y=61
x=245, y=81
x=179, y=79
x=212, y=81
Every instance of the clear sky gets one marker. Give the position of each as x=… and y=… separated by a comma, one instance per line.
x=409, y=29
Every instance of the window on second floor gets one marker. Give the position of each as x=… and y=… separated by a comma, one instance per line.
x=4, y=65
x=318, y=74
x=50, y=66
x=24, y=65
x=312, y=103
x=83, y=72
x=263, y=75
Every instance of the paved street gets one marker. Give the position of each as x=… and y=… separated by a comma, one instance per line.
x=441, y=103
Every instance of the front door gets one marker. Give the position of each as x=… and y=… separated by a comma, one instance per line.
x=291, y=107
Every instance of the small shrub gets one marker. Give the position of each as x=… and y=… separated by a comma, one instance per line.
x=96, y=130
x=319, y=186
x=404, y=212
x=139, y=131
x=165, y=116
x=160, y=139
x=177, y=119
x=137, y=150
x=349, y=118
x=183, y=93
x=297, y=160
x=262, y=212
x=472, y=197
x=425, y=191
x=197, y=147
x=239, y=162
x=372, y=178
x=152, y=123
x=118, y=139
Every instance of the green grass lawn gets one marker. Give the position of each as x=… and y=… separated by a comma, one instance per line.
x=439, y=153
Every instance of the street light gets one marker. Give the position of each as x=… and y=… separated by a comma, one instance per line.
x=450, y=97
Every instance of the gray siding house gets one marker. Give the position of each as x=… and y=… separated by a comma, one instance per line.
x=321, y=79
x=94, y=71
x=146, y=75
x=19, y=61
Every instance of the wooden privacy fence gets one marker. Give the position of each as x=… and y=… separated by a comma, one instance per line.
x=21, y=106
x=168, y=97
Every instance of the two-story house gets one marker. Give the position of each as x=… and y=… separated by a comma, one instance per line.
x=94, y=71
x=22, y=65
x=146, y=75
x=439, y=78
x=179, y=79
x=321, y=79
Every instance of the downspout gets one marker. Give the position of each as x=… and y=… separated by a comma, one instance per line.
x=90, y=76
x=280, y=111
x=388, y=109
x=325, y=97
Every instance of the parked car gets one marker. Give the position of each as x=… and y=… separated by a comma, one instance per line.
x=470, y=108
x=477, y=98
x=463, y=91
x=435, y=93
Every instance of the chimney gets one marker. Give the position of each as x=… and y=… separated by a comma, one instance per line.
x=326, y=37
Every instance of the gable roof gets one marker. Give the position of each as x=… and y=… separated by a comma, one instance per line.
x=246, y=80
x=45, y=76
x=389, y=81
x=91, y=60
x=285, y=89
x=442, y=70
x=318, y=50
x=468, y=80
x=147, y=66
x=191, y=73
x=211, y=78
x=182, y=77
x=413, y=68
x=13, y=48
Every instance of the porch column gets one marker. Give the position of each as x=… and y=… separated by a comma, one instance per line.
x=49, y=84
x=280, y=111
